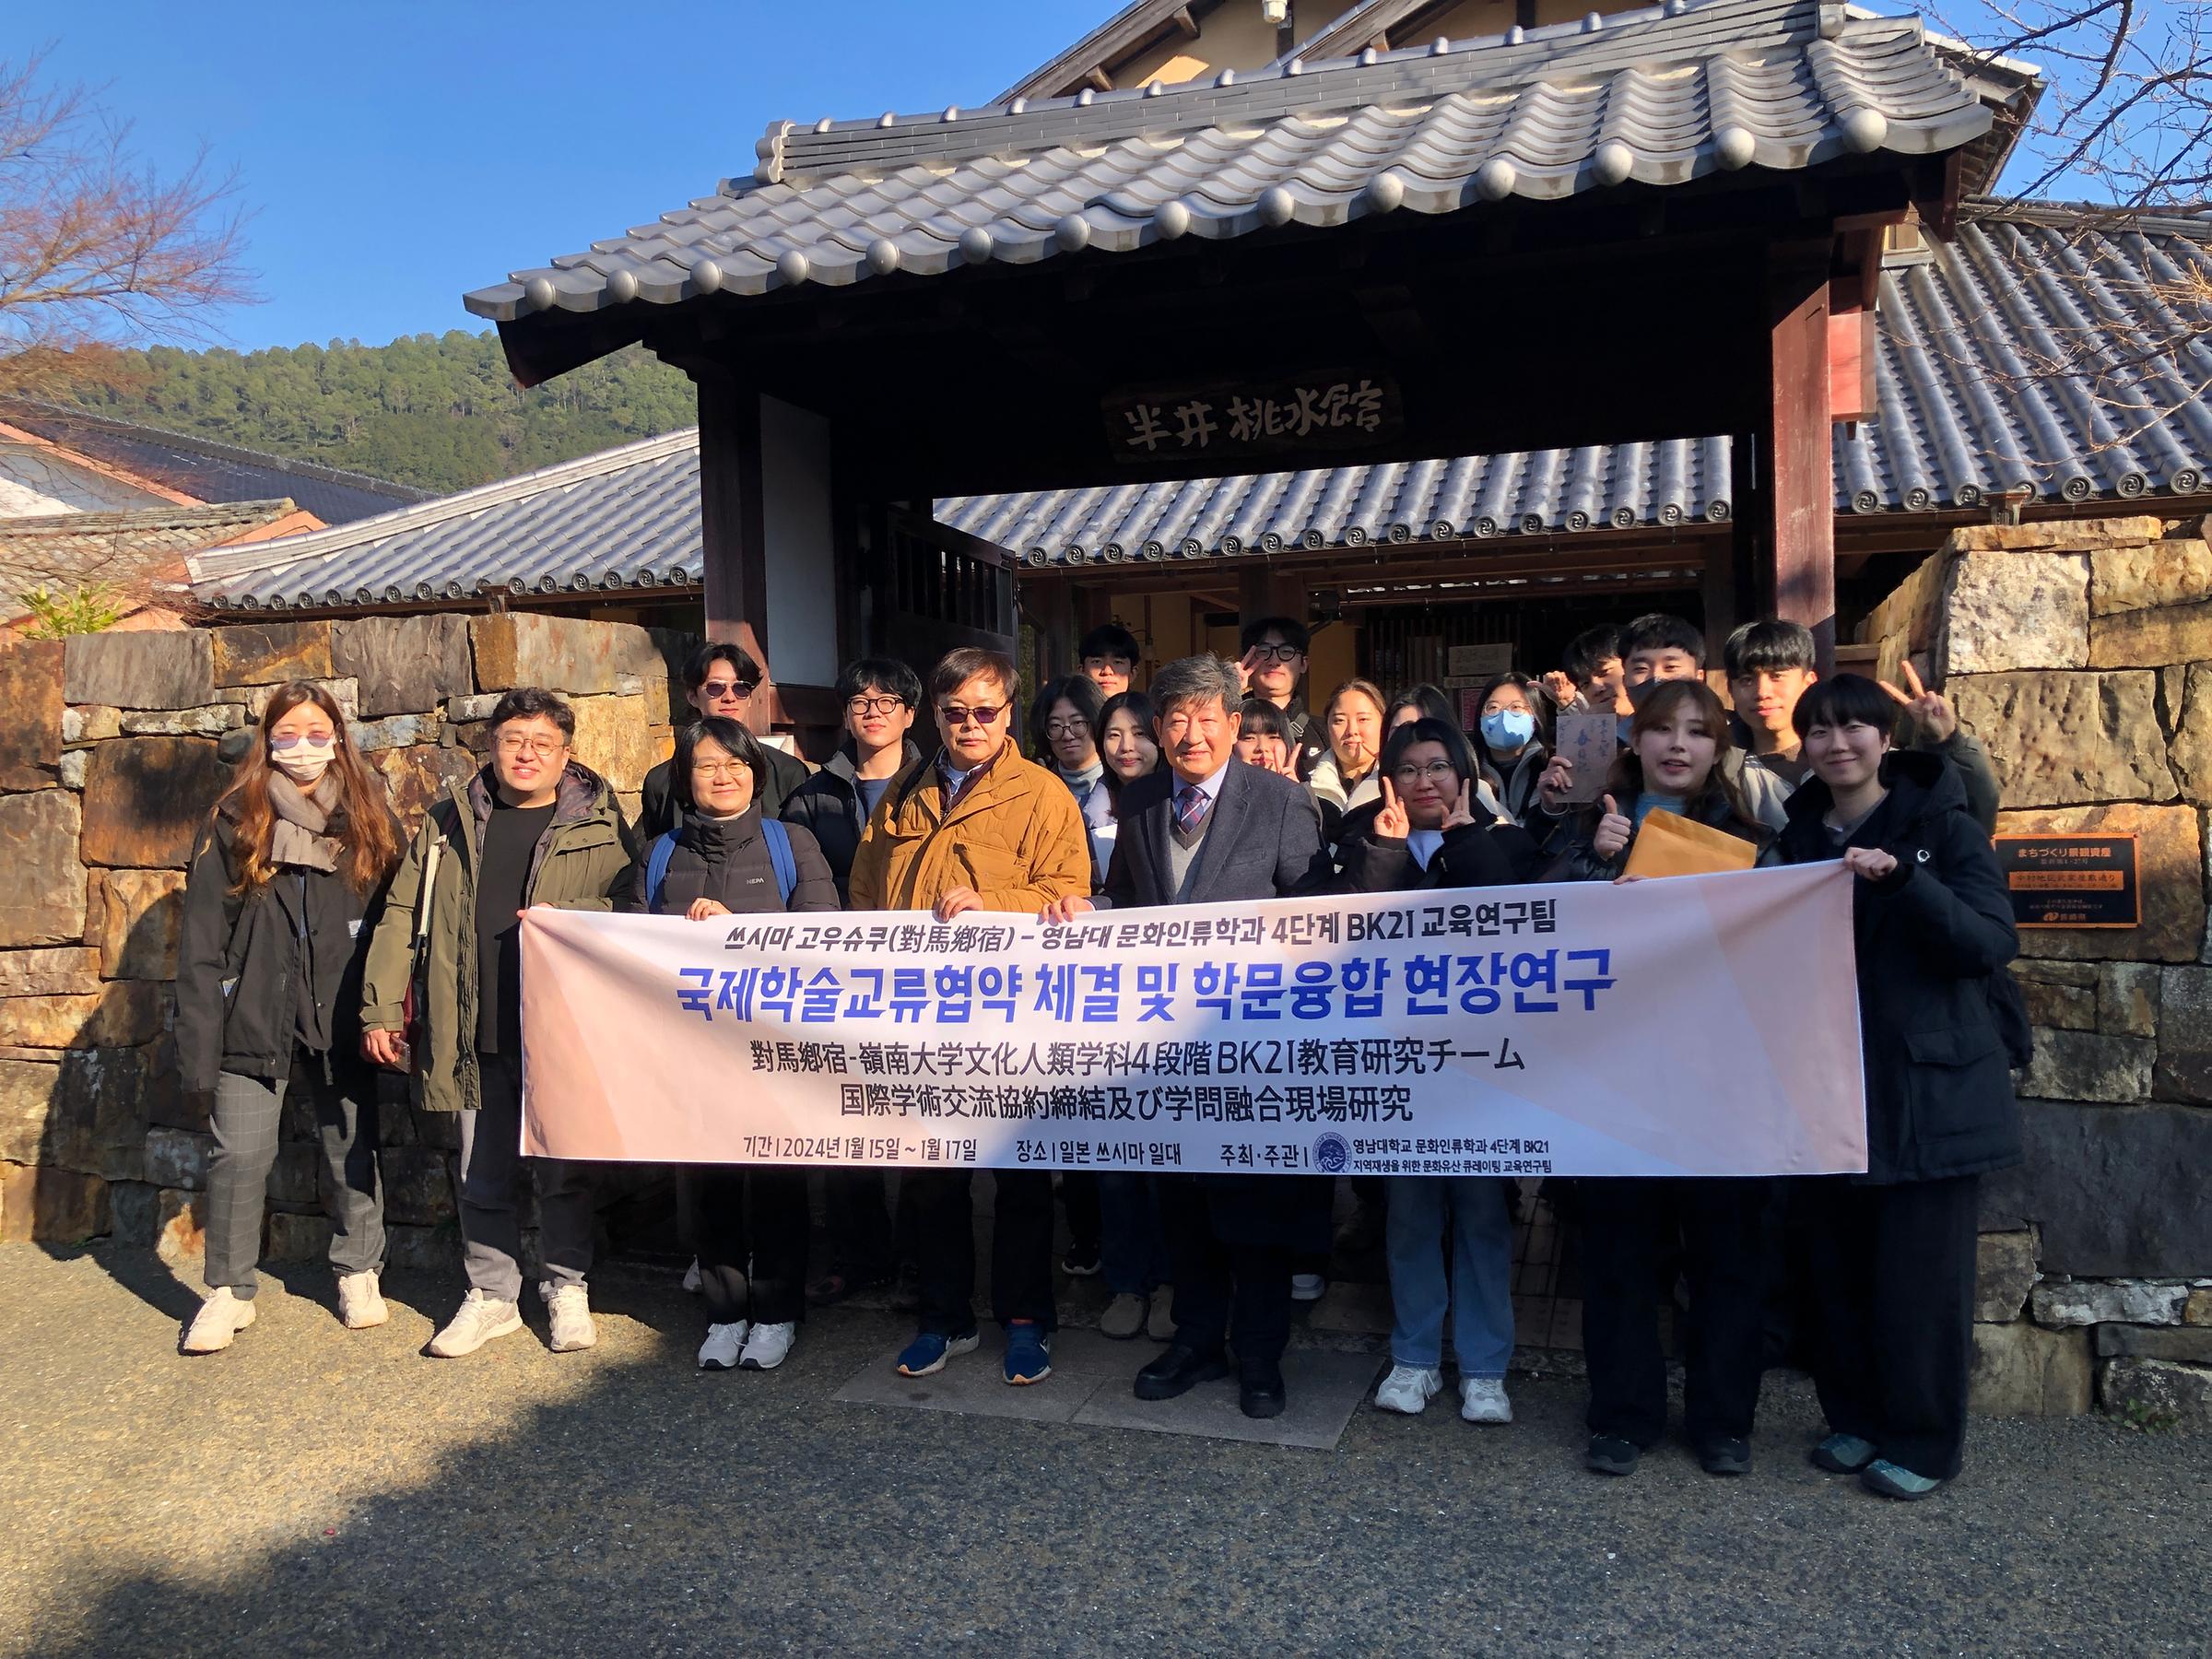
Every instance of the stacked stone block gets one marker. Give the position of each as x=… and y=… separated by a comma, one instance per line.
x=108, y=766
x=2081, y=653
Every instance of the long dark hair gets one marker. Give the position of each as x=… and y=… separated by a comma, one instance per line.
x=361, y=822
x=730, y=737
x=1141, y=711
x=1626, y=780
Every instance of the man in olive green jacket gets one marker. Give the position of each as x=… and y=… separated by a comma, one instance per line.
x=535, y=827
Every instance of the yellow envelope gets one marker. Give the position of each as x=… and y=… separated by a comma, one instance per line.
x=1670, y=845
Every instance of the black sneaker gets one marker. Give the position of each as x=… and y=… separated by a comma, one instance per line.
x=1081, y=1262
x=1725, y=1457
x=1610, y=1455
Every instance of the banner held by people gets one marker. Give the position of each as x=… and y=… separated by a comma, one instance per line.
x=1699, y=1026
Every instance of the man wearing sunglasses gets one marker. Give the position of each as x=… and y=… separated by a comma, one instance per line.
x=979, y=828
x=720, y=678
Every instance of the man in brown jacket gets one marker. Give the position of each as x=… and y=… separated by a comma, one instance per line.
x=978, y=830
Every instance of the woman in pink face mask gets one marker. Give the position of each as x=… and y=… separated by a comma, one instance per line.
x=292, y=860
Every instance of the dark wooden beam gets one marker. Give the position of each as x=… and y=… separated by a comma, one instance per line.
x=1796, y=451
x=1185, y=25
x=1096, y=76
x=734, y=543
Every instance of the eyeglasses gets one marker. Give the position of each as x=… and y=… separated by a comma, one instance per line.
x=874, y=705
x=1067, y=728
x=291, y=740
x=544, y=748
x=718, y=770
x=952, y=714
x=1436, y=772
x=1277, y=654
x=718, y=690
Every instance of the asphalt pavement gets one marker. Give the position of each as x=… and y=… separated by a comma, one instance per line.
x=319, y=1491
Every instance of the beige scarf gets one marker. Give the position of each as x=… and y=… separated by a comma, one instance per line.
x=297, y=836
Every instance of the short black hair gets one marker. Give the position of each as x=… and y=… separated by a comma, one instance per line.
x=1657, y=631
x=1589, y=651
x=719, y=650
x=957, y=667
x=1428, y=700
x=879, y=674
x=1263, y=719
x=1456, y=749
x=533, y=702
x=1109, y=639
x=730, y=736
x=1293, y=630
x=1844, y=700
x=1770, y=647
x=1077, y=689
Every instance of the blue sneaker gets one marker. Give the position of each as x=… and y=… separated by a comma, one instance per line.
x=1844, y=1454
x=1028, y=1353
x=927, y=1352
x=1893, y=1480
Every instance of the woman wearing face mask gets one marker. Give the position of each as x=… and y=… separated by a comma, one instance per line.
x=722, y=860
x=1893, y=1250
x=292, y=862
x=1512, y=748
x=1635, y=1231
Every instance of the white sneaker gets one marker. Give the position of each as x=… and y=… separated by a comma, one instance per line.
x=691, y=1280
x=1307, y=1286
x=361, y=1303
x=475, y=1323
x=1409, y=1388
x=765, y=1348
x=1482, y=1400
x=570, y=1307
x=221, y=1317
x=719, y=1352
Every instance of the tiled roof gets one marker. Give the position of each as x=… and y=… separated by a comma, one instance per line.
x=1964, y=335
x=1968, y=407
x=626, y=517
x=208, y=471
x=66, y=549
x=1657, y=97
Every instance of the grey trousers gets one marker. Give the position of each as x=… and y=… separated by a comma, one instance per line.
x=248, y=1113
x=492, y=1168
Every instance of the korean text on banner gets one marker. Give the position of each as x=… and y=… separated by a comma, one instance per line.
x=1703, y=1026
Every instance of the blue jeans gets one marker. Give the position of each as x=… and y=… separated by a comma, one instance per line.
x=1467, y=1216
x=1132, y=1246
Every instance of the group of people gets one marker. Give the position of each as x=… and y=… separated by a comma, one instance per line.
x=320, y=943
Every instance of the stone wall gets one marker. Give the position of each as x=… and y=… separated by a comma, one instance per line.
x=2081, y=653
x=108, y=765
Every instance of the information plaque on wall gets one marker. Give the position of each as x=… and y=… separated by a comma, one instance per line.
x=2071, y=880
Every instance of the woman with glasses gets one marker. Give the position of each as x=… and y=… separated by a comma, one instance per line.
x=1512, y=725
x=1063, y=735
x=292, y=859
x=726, y=860
x=1449, y=1238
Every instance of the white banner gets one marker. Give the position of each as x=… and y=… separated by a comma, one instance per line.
x=1703, y=1025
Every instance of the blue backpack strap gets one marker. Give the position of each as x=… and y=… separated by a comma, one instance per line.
x=779, y=855
x=656, y=870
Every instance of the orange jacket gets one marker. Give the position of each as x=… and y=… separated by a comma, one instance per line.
x=1017, y=837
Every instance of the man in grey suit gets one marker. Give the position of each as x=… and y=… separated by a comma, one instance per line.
x=1207, y=828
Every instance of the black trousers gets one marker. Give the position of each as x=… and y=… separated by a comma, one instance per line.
x=1634, y=1232
x=1021, y=1247
x=1086, y=1220
x=1220, y=1285
x=1893, y=1271
x=752, y=1224
x=862, y=1233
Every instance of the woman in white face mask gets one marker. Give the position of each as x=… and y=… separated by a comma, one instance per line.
x=280, y=906
x=1512, y=727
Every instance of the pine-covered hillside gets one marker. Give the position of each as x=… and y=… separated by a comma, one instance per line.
x=437, y=411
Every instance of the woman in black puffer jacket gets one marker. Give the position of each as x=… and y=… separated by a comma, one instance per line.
x=1893, y=1250
x=721, y=861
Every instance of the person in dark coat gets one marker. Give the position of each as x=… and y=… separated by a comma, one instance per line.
x=1207, y=828
x=1635, y=1229
x=1449, y=1238
x=1893, y=1250
x=721, y=863
x=879, y=696
x=288, y=879
x=720, y=679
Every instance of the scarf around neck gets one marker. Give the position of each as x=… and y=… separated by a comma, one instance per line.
x=297, y=837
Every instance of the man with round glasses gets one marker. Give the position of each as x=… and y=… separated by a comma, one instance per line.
x=722, y=680
x=1273, y=664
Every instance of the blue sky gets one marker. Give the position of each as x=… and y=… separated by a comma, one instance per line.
x=396, y=154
